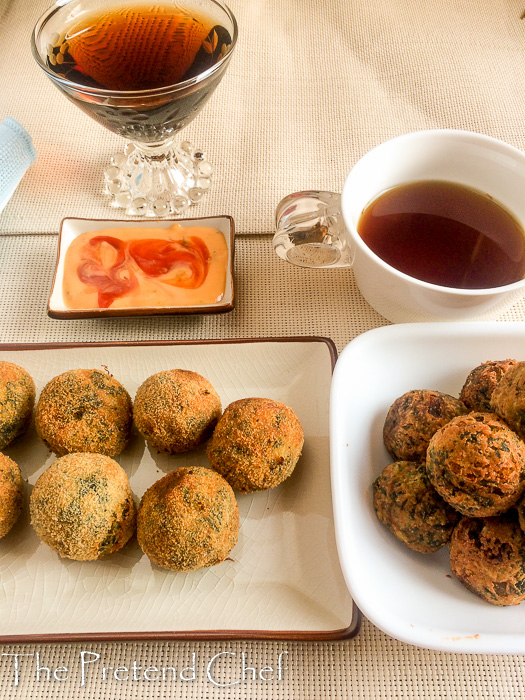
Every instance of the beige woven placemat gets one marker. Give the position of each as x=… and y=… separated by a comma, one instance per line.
x=371, y=667
x=273, y=299
x=312, y=86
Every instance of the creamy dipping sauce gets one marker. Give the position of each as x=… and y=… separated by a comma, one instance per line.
x=145, y=267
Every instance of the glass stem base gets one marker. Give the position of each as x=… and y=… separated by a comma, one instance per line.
x=158, y=181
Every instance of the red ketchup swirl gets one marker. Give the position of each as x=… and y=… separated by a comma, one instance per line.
x=111, y=281
x=180, y=264
x=188, y=260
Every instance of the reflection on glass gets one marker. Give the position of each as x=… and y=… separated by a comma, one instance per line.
x=144, y=71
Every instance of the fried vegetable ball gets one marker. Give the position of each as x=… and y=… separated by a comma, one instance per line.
x=11, y=494
x=82, y=506
x=256, y=444
x=188, y=519
x=17, y=399
x=508, y=398
x=476, y=463
x=84, y=410
x=176, y=410
x=488, y=556
x=477, y=390
x=412, y=420
x=520, y=510
x=408, y=505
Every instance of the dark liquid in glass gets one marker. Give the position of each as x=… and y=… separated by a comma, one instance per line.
x=140, y=47
x=446, y=234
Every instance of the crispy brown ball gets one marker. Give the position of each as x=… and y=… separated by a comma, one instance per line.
x=520, y=510
x=408, y=505
x=84, y=410
x=412, y=420
x=11, y=494
x=17, y=400
x=256, y=444
x=188, y=519
x=508, y=398
x=82, y=506
x=176, y=410
x=476, y=392
x=488, y=556
x=477, y=464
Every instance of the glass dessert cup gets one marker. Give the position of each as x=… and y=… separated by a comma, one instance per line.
x=153, y=176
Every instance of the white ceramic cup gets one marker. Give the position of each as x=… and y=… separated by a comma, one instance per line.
x=319, y=229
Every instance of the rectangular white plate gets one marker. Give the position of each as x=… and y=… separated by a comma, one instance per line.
x=283, y=579
x=411, y=596
x=71, y=228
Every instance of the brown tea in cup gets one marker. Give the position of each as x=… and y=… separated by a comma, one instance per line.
x=445, y=233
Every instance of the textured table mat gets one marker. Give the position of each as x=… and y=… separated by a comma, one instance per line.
x=312, y=87
x=274, y=299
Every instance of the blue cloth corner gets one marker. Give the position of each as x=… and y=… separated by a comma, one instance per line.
x=17, y=153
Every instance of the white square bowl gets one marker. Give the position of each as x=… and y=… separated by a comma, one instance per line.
x=413, y=597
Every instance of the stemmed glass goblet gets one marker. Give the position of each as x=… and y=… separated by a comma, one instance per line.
x=144, y=71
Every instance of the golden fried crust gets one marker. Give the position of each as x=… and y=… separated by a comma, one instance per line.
x=412, y=420
x=508, y=398
x=11, y=494
x=477, y=390
x=477, y=464
x=408, y=505
x=520, y=510
x=488, y=556
x=17, y=399
x=256, y=444
x=82, y=506
x=176, y=410
x=188, y=519
x=84, y=410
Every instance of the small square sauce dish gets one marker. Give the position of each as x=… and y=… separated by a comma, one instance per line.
x=112, y=268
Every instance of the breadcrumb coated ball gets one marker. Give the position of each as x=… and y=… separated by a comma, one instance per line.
x=256, y=444
x=188, y=519
x=477, y=464
x=408, y=505
x=82, y=506
x=176, y=410
x=508, y=398
x=520, y=510
x=17, y=400
x=11, y=494
x=488, y=556
x=476, y=392
x=412, y=420
x=84, y=410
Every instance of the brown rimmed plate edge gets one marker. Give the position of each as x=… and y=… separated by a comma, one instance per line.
x=133, y=312
x=192, y=635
